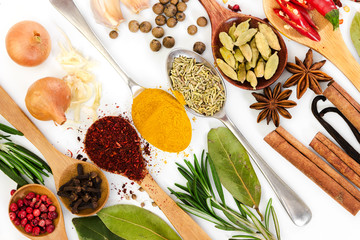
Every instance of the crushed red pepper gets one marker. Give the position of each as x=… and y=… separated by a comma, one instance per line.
x=113, y=144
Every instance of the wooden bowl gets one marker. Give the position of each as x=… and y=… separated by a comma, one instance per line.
x=262, y=82
x=221, y=21
x=71, y=172
x=59, y=232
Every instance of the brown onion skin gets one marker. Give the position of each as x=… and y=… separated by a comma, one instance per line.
x=48, y=99
x=28, y=43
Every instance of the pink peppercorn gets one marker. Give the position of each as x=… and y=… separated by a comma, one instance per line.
x=50, y=228
x=29, y=210
x=22, y=214
x=12, y=216
x=13, y=207
x=24, y=222
x=28, y=228
x=30, y=195
x=36, y=231
x=12, y=192
x=30, y=216
x=17, y=221
x=20, y=203
x=52, y=208
x=36, y=212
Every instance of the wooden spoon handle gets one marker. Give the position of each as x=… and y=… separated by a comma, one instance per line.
x=14, y=115
x=183, y=223
x=336, y=51
x=215, y=11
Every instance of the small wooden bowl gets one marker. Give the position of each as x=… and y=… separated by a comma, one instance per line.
x=262, y=82
x=221, y=21
x=59, y=232
x=71, y=172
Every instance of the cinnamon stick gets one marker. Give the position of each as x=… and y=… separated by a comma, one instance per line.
x=315, y=168
x=344, y=102
x=337, y=158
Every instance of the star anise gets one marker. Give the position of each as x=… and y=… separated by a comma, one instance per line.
x=273, y=103
x=306, y=75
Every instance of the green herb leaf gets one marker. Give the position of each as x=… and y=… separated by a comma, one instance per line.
x=355, y=32
x=233, y=166
x=92, y=228
x=131, y=222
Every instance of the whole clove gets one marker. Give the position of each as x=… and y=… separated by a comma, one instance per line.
x=83, y=191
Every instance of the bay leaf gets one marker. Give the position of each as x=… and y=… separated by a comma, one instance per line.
x=92, y=228
x=233, y=166
x=355, y=32
x=135, y=223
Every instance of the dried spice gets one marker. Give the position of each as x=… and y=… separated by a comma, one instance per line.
x=203, y=90
x=306, y=75
x=272, y=104
x=84, y=190
x=113, y=144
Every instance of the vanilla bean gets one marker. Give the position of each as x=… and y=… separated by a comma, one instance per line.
x=338, y=138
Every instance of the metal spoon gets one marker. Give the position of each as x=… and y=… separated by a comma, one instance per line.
x=69, y=10
x=298, y=211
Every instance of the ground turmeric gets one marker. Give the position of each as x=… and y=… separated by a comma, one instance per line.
x=161, y=120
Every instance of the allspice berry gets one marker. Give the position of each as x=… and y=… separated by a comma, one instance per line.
x=170, y=10
x=181, y=6
x=199, y=47
x=160, y=20
x=185, y=0
x=145, y=27
x=180, y=16
x=171, y=22
x=192, y=30
x=202, y=21
x=174, y=2
x=164, y=1
x=158, y=8
x=113, y=34
x=158, y=32
x=134, y=26
x=155, y=45
x=168, y=42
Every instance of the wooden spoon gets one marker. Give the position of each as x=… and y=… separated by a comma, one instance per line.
x=183, y=223
x=332, y=45
x=221, y=20
x=63, y=167
x=59, y=232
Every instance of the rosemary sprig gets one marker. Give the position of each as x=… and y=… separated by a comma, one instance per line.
x=202, y=199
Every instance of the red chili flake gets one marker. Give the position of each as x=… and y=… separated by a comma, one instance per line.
x=114, y=145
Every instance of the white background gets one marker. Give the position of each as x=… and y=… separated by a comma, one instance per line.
x=330, y=221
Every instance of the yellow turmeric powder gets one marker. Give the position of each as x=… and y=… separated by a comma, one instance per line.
x=161, y=120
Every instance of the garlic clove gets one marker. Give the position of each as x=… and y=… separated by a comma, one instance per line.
x=136, y=5
x=107, y=12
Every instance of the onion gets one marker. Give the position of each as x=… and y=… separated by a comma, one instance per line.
x=48, y=99
x=28, y=43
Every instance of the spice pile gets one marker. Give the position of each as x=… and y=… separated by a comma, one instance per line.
x=162, y=120
x=168, y=12
x=34, y=213
x=114, y=145
x=84, y=190
x=247, y=53
x=203, y=90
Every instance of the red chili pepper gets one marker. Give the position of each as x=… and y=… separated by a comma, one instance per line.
x=310, y=33
x=294, y=14
x=328, y=9
x=307, y=16
x=303, y=3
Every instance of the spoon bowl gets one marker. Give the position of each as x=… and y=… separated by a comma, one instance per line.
x=221, y=21
x=59, y=232
x=71, y=172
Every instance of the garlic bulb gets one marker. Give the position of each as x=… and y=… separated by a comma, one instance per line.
x=107, y=12
x=136, y=5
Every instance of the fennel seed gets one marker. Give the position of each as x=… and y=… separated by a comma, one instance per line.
x=203, y=90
